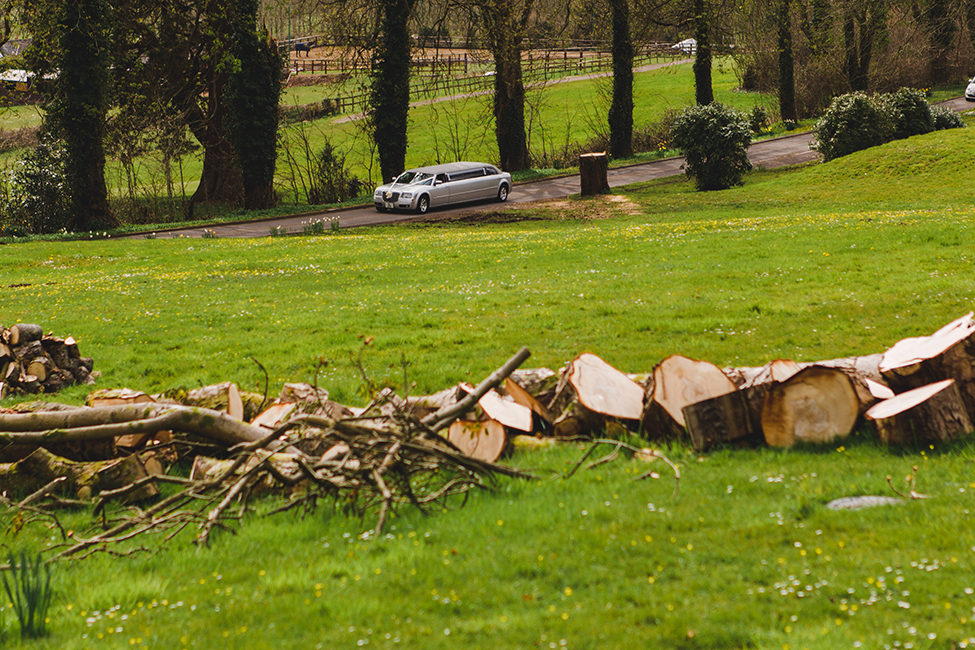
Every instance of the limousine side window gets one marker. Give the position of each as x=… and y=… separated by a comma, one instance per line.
x=441, y=178
x=463, y=176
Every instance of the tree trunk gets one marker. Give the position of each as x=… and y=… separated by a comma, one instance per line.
x=703, y=91
x=506, y=27
x=390, y=91
x=941, y=29
x=816, y=405
x=221, y=181
x=591, y=393
x=482, y=440
x=677, y=382
x=927, y=415
x=787, y=82
x=621, y=109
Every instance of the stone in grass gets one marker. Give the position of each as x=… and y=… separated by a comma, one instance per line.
x=858, y=503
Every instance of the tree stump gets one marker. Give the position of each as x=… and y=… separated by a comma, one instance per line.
x=677, y=382
x=592, y=173
x=928, y=415
x=718, y=420
x=482, y=440
x=949, y=353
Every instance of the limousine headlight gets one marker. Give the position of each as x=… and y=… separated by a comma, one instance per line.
x=406, y=195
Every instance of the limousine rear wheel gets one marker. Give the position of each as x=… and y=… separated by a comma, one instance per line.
x=423, y=204
x=503, y=193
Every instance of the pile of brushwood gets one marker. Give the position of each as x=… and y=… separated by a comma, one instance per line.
x=420, y=451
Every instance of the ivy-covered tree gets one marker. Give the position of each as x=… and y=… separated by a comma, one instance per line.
x=78, y=34
x=621, y=108
x=505, y=23
x=253, y=94
x=390, y=85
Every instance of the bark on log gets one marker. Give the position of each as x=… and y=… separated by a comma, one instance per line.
x=590, y=393
x=677, y=382
x=40, y=367
x=593, y=173
x=816, y=405
x=722, y=419
x=22, y=333
x=928, y=415
x=84, y=480
x=218, y=397
x=113, y=421
x=949, y=353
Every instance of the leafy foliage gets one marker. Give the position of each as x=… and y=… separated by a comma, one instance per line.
x=253, y=92
x=913, y=113
x=713, y=139
x=331, y=181
x=946, y=118
x=757, y=119
x=36, y=193
x=29, y=589
x=853, y=122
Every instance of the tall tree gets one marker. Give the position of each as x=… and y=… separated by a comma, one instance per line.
x=253, y=94
x=787, y=71
x=863, y=23
x=390, y=85
x=621, y=108
x=506, y=22
x=77, y=109
x=701, y=20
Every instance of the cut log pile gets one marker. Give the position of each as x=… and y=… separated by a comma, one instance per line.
x=33, y=362
x=421, y=450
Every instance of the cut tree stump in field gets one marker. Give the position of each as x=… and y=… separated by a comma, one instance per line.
x=677, y=382
x=218, y=397
x=949, y=353
x=593, y=173
x=927, y=415
x=482, y=440
x=589, y=392
x=816, y=405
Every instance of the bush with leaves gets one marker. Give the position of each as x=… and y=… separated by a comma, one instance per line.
x=913, y=113
x=853, y=122
x=36, y=193
x=331, y=182
x=946, y=118
x=714, y=140
x=757, y=119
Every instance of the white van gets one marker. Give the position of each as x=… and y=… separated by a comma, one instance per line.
x=438, y=185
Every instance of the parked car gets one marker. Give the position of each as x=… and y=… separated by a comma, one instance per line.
x=970, y=91
x=438, y=185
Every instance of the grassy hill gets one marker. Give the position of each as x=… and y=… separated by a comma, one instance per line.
x=814, y=262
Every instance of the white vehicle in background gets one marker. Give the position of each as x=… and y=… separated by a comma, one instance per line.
x=970, y=91
x=435, y=186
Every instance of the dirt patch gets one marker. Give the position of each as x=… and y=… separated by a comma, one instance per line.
x=316, y=79
x=605, y=206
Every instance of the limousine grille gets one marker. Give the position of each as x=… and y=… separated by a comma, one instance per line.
x=391, y=196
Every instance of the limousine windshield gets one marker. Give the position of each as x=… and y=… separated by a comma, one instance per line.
x=412, y=178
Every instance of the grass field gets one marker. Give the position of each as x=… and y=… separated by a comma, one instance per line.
x=815, y=262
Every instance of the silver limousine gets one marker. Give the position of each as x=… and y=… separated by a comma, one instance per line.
x=430, y=187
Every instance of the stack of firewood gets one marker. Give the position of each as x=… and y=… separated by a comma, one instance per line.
x=32, y=362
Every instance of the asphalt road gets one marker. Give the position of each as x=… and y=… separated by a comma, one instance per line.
x=772, y=153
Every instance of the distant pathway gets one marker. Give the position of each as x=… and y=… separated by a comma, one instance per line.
x=770, y=154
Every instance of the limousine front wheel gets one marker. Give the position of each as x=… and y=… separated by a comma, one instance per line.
x=423, y=204
x=503, y=193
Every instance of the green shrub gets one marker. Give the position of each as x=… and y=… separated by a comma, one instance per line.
x=853, y=122
x=757, y=119
x=36, y=193
x=714, y=140
x=331, y=181
x=946, y=118
x=913, y=113
x=29, y=589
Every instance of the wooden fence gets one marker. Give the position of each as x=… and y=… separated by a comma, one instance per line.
x=435, y=77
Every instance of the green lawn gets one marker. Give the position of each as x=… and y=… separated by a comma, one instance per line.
x=815, y=262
